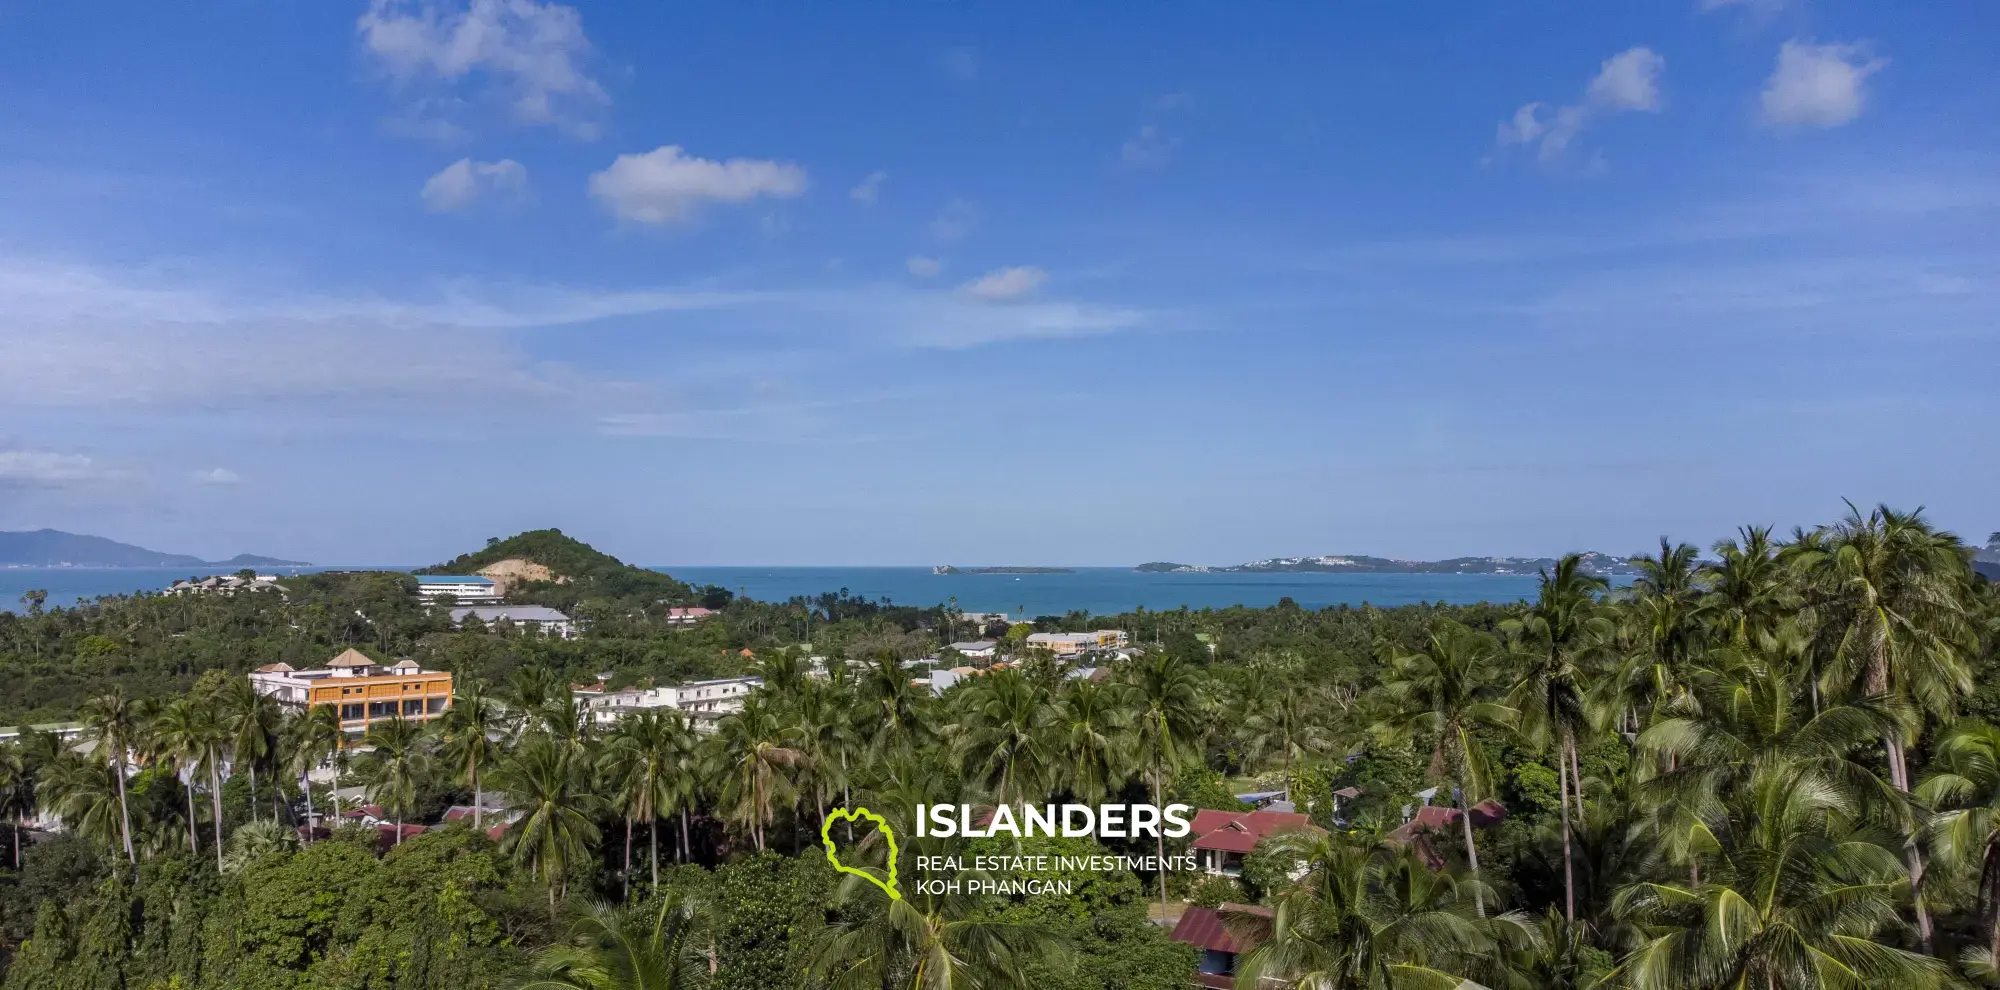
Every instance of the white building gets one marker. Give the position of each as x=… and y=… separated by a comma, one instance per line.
x=702, y=701
x=466, y=588
x=225, y=584
x=678, y=616
x=542, y=619
x=978, y=649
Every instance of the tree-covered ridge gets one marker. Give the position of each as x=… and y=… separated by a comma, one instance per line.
x=583, y=571
x=1773, y=769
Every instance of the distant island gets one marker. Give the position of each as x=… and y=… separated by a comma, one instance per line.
x=949, y=569
x=55, y=548
x=1601, y=564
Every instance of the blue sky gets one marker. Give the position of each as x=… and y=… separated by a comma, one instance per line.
x=1025, y=283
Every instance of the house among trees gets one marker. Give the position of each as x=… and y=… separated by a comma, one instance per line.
x=1223, y=838
x=1208, y=930
x=360, y=687
x=462, y=588
x=538, y=618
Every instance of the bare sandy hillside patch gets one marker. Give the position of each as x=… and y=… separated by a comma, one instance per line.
x=515, y=570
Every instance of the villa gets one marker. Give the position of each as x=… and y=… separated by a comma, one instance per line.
x=360, y=688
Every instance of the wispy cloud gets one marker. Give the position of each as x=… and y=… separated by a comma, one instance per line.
x=868, y=190
x=955, y=221
x=28, y=468
x=463, y=182
x=525, y=54
x=1626, y=82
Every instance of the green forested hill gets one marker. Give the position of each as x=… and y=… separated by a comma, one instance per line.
x=589, y=572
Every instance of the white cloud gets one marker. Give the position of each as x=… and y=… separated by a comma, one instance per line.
x=1626, y=82
x=1003, y=284
x=1629, y=80
x=923, y=267
x=46, y=469
x=459, y=184
x=955, y=221
x=1818, y=85
x=870, y=188
x=528, y=53
x=665, y=186
x=218, y=476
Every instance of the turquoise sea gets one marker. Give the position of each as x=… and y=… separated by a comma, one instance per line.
x=1100, y=590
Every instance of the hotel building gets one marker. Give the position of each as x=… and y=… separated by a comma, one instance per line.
x=359, y=688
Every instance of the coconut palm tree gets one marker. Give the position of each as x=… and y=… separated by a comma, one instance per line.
x=1093, y=741
x=470, y=733
x=1886, y=597
x=182, y=734
x=255, y=841
x=641, y=759
x=1553, y=637
x=1801, y=897
x=1746, y=588
x=899, y=709
x=1165, y=690
x=1363, y=917
x=252, y=720
x=18, y=773
x=662, y=946
x=116, y=722
x=549, y=783
x=1450, y=692
x=315, y=738
x=87, y=796
x=1002, y=736
x=926, y=940
x=822, y=729
x=395, y=767
x=1275, y=711
x=1963, y=785
x=752, y=762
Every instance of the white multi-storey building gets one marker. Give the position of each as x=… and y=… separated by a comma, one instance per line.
x=540, y=618
x=465, y=588
x=702, y=701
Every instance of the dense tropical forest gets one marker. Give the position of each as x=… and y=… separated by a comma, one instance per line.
x=1776, y=766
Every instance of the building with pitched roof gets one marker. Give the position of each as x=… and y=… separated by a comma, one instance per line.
x=1209, y=931
x=1223, y=838
x=360, y=688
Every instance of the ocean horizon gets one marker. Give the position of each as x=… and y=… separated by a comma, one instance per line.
x=1098, y=590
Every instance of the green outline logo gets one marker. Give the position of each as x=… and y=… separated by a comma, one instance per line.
x=855, y=815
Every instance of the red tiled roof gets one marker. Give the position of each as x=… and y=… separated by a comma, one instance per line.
x=1204, y=928
x=1238, y=831
x=496, y=831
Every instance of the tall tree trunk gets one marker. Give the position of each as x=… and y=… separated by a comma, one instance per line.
x=687, y=851
x=625, y=877
x=1569, y=874
x=1160, y=836
x=124, y=814
x=1471, y=851
x=1576, y=780
x=653, y=837
x=399, y=828
x=312, y=814
x=252, y=806
x=215, y=806
x=194, y=842
x=478, y=800
x=1899, y=774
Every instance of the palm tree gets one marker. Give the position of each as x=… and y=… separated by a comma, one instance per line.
x=17, y=793
x=184, y=734
x=753, y=760
x=1093, y=740
x=116, y=723
x=1363, y=917
x=549, y=784
x=316, y=737
x=641, y=760
x=660, y=947
x=1003, y=736
x=395, y=767
x=1886, y=596
x=85, y=793
x=822, y=731
x=1801, y=898
x=1747, y=592
x=1449, y=692
x=470, y=731
x=1166, y=692
x=899, y=710
x=1275, y=711
x=256, y=840
x=252, y=721
x=1963, y=784
x=1553, y=635
x=926, y=940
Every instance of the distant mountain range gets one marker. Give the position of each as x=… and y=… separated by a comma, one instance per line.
x=55, y=548
x=1602, y=564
